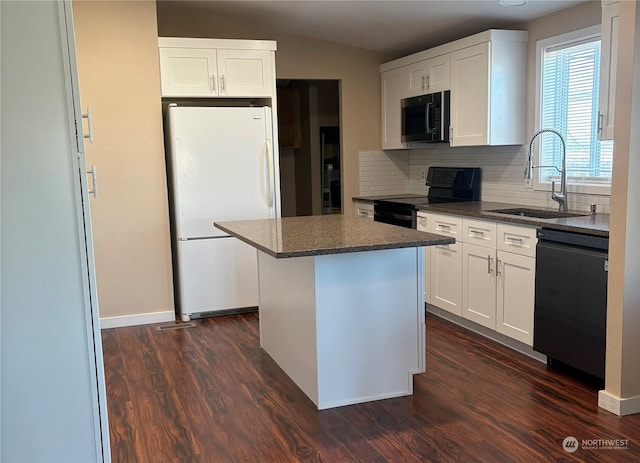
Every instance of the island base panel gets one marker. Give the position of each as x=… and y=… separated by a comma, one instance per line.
x=346, y=328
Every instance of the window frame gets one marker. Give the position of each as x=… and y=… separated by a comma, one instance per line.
x=603, y=188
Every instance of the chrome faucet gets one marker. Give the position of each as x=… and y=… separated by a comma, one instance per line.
x=561, y=196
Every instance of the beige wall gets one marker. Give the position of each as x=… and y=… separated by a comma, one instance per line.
x=120, y=82
x=304, y=58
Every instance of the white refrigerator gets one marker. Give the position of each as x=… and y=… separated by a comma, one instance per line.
x=222, y=167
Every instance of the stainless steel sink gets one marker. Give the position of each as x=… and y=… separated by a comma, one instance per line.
x=537, y=213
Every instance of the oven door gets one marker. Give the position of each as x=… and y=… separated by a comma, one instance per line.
x=394, y=214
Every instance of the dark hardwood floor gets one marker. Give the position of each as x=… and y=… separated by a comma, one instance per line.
x=209, y=394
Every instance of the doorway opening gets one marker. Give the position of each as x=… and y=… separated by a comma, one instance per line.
x=310, y=147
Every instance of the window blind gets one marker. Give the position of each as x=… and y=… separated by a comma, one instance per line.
x=570, y=86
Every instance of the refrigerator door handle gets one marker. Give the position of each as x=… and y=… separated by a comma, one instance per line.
x=269, y=173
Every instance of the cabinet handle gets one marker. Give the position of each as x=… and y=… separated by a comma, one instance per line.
x=450, y=133
x=443, y=226
x=222, y=87
x=424, y=83
x=87, y=116
x=498, y=272
x=489, y=262
x=477, y=232
x=213, y=83
x=513, y=240
x=428, y=81
x=94, y=179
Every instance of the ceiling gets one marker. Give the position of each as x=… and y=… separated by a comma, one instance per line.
x=395, y=28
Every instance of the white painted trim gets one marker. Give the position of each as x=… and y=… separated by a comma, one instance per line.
x=618, y=405
x=138, y=319
x=234, y=44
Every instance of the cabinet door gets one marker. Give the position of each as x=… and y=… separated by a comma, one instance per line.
x=479, y=285
x=395, y=87
x=445, y=277
x=245, y=73
x=188, y=72
x=516, y=289
x=417, y=78
x=608, y=64
x=439, y=73
x=470, y=96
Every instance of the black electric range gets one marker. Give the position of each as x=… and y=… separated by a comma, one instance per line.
x=446, y=185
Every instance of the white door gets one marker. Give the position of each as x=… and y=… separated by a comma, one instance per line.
x=479, y=285
x=245, y=73
x=216, y=274
x=188, y=72
x=222, y=167
x=516, y=293
x=446, y=267
x=470, y=96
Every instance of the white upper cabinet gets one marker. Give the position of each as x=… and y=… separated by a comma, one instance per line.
x=188, y=72
x=470, y=96
x=488, y=92
x=245, y=72
x=486, y=75
x=430, y=75
x=608, y=64
x=216, y=68
x=395, y=86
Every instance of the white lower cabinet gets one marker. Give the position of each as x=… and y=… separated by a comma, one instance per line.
x=445, y=267
x=515, y=296
x=487, y=276
x=479, y=284
x=443, y=264
x=363, y=209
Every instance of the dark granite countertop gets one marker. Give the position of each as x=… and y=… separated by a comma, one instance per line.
x=597, y=225
x=329, y=234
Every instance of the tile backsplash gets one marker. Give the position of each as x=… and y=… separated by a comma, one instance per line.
x=402, y=171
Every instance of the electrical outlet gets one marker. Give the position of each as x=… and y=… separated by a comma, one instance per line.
x=528, y=183
x=423, y=174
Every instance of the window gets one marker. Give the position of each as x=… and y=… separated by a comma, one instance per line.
x=568, y=102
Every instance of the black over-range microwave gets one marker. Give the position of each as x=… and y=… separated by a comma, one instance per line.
x=426, y=118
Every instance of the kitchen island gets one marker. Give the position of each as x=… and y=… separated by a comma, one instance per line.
x=341, y=303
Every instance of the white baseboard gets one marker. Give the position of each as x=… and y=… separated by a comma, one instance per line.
x=617, y=405
x=138, y=319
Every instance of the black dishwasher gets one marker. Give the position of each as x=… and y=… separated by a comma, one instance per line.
x=570, y=314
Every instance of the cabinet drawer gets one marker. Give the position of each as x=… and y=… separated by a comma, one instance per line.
x=421, y=222
x=363, y=209
x=517, y=239
x=479, y=232
x=444, y=224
